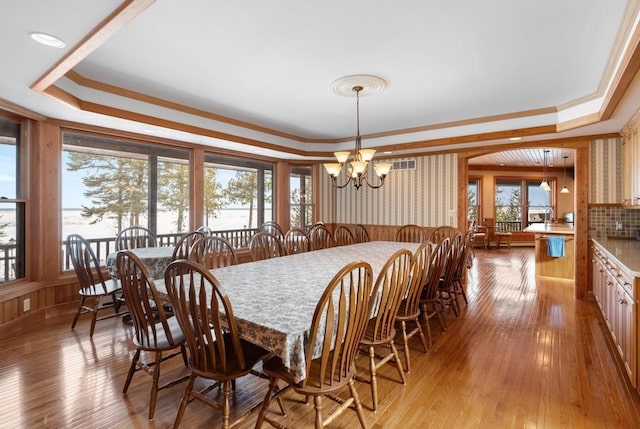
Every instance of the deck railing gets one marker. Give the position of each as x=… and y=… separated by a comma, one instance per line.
x=7, y=262
x=238, y=238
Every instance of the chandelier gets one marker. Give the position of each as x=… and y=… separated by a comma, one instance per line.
x=357, y=170
x=544, y=185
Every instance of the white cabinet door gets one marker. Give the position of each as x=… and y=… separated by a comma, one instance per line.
x=627, y=333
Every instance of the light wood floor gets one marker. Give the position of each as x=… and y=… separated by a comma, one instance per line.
x=522, y=354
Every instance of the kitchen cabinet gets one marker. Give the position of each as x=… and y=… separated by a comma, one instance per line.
x=615, y=289
x=631, y=169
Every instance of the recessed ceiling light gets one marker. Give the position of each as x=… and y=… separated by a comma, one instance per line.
x=388, y=152
x=147, y=130
x=47, y=39
x=514, y=139
x=502, y=164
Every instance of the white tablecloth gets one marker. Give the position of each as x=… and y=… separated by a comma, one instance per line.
x=274, y=300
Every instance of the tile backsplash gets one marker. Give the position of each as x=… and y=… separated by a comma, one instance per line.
x=604, y=220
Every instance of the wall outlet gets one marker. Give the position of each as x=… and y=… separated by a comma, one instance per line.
x=26, y=304
x=619, y=226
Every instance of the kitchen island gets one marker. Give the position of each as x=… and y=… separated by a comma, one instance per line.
x=562, y=268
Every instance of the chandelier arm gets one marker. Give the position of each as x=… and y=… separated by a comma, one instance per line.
x=365, y=180
x=335, y=182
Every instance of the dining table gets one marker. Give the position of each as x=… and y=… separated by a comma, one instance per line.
x=274, y=300
x=155, y=259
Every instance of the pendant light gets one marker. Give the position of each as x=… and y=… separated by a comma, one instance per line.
x=544, y=185
x=565, y=190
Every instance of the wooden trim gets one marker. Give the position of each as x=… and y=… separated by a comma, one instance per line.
x=196, y=185
x=120, y=17
x=63, y=96
x=615, y=205
x=580, y=202
x=18, y=113
x=629, y=66
x=152, y=120
x=144, y=138
x=282, y=188
x=134, y=95
x=579, y=122
x=123, y=92
x=530, y=169
x=463, y=174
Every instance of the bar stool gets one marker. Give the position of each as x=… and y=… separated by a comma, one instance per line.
x=503, y=238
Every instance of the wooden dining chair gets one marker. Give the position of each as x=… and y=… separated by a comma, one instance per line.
x=183, y=246
x=430, y=305
x=362, y=235
x=343, y=236
x=265, y=245
x=338, y=325
x=479, y=234
x=321, y=238
x=409, y=310
x=389, y=290
x=213, y=252
x=216, y=351
x=441, y=232
x=465, y=262
x=135, y=237
x=94, y=288
x=446, y=287
x=411, y=234
x=274, y=228
x=155, y=331
x=296, y=240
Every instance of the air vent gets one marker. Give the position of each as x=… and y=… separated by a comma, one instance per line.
x=404, y=164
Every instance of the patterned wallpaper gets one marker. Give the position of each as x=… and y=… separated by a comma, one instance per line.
x=605, y=161
x=425, y=196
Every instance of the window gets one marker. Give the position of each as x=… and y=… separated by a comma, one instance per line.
x=109, y=185
x=238, y=193
x=12, y=204
x=473, y=199
x=301, y=215
x=519, y=203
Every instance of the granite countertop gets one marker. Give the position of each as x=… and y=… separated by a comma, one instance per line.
x=540, y=228
x=625, y=251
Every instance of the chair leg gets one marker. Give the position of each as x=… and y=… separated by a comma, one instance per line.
x=358, y=405
x=317, y=405
x=77, y=315
x=226, y=404
x=94, y=318
x=185, y=400
x=132, y=370
x=396, y=356
x=273, y=384
x=372, y=371
x=422, y=338
x=405, y=340
x=425, y=316
x=154, y=385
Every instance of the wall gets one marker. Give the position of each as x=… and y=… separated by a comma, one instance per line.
x=605, y=192
x=605, y=168
x=425, y=196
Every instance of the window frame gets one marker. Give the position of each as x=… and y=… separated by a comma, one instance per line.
x=524, y=198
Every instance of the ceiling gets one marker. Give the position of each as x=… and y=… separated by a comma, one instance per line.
x=256, y=76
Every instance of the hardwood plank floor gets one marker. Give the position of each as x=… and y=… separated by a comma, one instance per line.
x=521, y=354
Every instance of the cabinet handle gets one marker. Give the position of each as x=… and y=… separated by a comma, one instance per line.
x=627, y=284
x=609, y=282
